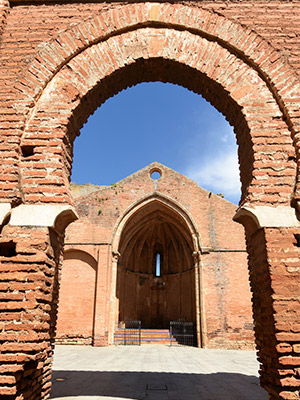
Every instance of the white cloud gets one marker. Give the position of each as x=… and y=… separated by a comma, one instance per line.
x=227, y=137
x=219, y=174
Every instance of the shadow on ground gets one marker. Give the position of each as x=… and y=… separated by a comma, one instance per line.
x=155, y=385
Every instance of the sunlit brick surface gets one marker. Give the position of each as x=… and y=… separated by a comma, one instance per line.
x=59, y=62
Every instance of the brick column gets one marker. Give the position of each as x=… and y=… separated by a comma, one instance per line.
x=275, y=282
x=199, y=301
x=113, y=302
x=31, y=253
x=101, y=328
x=30, y=259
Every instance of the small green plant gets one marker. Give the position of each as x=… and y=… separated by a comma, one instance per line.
x=100, y=200
x=117, y=188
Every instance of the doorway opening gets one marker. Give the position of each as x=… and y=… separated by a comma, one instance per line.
x=156, y=270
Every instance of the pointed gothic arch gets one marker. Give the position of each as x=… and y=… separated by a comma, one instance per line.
x=157, y=223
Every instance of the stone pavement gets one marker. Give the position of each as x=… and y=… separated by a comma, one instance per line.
x=154, y=373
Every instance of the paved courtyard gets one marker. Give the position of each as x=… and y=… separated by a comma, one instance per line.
x=154, y=373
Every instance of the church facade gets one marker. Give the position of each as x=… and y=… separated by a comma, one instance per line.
x=156, y=248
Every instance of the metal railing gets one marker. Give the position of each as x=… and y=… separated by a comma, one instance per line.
x=132, y=332
x=182, y=333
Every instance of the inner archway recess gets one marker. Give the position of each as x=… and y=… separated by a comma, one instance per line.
x=158, y=226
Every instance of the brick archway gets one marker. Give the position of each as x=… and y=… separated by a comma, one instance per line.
x=105, y=68
x=242, y=69
x=234, y=69
x=173, y=213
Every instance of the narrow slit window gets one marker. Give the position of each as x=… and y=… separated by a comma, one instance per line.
x=157, y=267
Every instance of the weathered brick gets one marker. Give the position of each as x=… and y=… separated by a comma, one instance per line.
x=252, y=52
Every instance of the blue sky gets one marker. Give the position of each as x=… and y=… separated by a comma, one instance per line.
x=158, y=122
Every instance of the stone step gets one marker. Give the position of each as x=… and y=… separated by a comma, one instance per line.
x=148, y=336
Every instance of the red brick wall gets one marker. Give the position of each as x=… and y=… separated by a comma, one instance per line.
x=4, y=7
x=225, y=287
x=263, y=17
x=20, y=46
x=247, y=69
x=272, y=20
x=156, y=302
x=76, y=298
x=227, y=301
x=29, y=276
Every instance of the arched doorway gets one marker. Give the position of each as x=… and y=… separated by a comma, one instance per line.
x=239, y=73
x=156, y=270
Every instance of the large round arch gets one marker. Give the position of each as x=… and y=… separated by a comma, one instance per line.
x=233, y=68
x=154, y=42
x=103, y=69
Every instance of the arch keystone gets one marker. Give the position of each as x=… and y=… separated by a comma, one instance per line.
x=154, y=12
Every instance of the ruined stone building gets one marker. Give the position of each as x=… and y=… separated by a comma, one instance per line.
x=59, y=61
x=109, y=273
